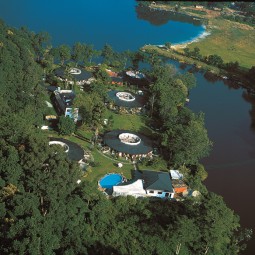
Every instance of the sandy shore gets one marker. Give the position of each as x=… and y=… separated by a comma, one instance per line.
x=196, y=39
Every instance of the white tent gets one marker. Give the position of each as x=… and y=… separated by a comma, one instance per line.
x=134, y=189
x=176, y=175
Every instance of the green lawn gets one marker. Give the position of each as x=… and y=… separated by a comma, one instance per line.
x=230, y=40
x=132, y=122
x=103, y=164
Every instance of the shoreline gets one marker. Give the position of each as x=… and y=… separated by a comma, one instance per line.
x=184, y=44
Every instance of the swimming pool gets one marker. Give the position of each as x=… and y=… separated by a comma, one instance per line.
x=110, y=180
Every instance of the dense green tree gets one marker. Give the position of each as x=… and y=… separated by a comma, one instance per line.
x=188, y=80
x=232, y=66
x=102, y=76
x=251, y=75
x=90, y=52
x=40, y=41
x=91, y=108
x=215, y=60
x=63, y=53
x=188, y=143
x=196, y=53
x=107, y=53
x=66, y=125
x=187, y=52
x=77, y=52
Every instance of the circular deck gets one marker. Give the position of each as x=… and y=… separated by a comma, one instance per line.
x=131, y=101
x=78, y=74
x=64, y=145
x=112, y=139
x=75, y=152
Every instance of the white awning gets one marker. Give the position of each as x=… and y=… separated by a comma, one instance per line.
x=134, y=189
x=176, y=175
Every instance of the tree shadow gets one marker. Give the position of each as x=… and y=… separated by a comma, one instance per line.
x=101, y=249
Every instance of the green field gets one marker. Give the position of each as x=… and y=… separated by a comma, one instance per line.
x=230, y=40
x=132, y=122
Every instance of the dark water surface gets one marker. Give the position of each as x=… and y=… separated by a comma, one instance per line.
x=229, y=112
x=229, y=118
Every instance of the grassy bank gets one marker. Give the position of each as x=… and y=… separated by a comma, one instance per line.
x=181, y=58
x=230, y=40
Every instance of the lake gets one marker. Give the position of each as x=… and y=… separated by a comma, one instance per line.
x=117, y=23
x=229, y=112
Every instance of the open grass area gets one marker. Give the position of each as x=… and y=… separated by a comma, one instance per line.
x=103, y=164
x=230, y=40
x=132, y=122
x=197, y=12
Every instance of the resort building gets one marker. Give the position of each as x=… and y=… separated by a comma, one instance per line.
x=115, y=77
x=135, y=74
x=71, y=75
x=63, y=100
x=74, y=151
x=147, y=184
x=136, y=78
x=117, y=80
x=126, y=102
x=127, y=144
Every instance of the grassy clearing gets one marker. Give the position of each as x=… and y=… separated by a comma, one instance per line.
x=230, y=40
x=197, y=12
x=103, y=164
x=132, y=122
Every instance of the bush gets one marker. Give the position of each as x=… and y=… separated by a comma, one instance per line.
x=66, y=126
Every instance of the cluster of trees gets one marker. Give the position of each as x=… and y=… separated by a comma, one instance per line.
x=84, y=54
x=250, y=20
x=91, y=101
x=45, y=211
x=213, y=60
x=21, y=96
x=183, y=133
x=79, y=53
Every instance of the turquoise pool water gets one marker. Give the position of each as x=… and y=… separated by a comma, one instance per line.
x=110, y=180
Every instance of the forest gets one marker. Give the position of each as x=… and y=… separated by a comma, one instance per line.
x=43, y=210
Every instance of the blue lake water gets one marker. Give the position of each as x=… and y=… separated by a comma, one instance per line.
x=229, y=112
x=114, y=22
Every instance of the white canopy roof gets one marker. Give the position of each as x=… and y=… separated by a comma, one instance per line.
x=134, y=189
x=176, y=175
